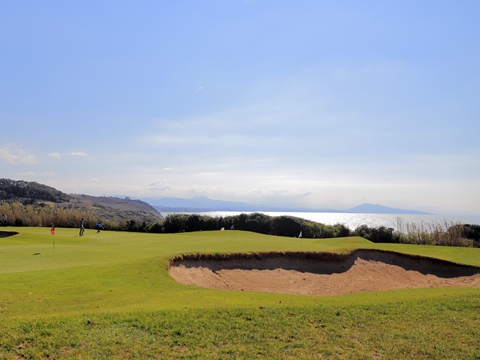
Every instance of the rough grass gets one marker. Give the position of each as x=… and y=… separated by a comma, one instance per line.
x=435, y=327
x=108, y=295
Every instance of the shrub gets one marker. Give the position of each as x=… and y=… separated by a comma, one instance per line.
x=471, y=232
x=175, y=223
x=380, y=234
x=286, y=226
x=258, y=222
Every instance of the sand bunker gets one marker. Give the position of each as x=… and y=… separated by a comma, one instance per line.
x=4, y=234
x=320, y=274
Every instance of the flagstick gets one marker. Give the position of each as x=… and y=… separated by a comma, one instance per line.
x=52, y=230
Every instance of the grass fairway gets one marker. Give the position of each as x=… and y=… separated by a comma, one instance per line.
x=108, y=295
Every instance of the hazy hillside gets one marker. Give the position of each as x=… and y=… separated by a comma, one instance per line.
x=25, y=191
x=113, y=208
x=204, y=204
x=380, y=209
x=106, y=208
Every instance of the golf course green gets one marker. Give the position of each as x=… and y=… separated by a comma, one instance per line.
x=109, y=295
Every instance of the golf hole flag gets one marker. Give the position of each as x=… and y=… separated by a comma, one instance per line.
x=300, y=235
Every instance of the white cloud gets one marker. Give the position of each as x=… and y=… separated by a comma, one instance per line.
x=24, y=174
x=14, y=154
x=55, y=155
x=78, y=153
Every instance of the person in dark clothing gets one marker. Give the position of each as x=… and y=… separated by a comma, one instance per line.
x=82, y=228
x=99, y=227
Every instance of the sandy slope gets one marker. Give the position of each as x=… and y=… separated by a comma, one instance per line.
x=321, y=274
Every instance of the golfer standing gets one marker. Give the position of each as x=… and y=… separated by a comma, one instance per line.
x=99, y=227
x=82, y=229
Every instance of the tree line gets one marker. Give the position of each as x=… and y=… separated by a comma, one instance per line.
x=446, y=234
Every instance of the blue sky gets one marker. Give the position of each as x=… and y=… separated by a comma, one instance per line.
x=320, y=104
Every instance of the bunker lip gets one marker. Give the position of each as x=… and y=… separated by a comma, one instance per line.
x=320, y=273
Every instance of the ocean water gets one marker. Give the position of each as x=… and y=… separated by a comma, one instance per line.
x=352, y=221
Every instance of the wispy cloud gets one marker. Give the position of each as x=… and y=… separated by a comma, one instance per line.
x=159, y=185
x=13, y=154
x=55, y=155
x=78, y=153
x=25, y=174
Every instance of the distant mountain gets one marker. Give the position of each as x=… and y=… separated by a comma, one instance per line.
x=380, y=209
x=204, y=204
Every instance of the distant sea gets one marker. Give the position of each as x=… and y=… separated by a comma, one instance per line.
x=352, y=220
